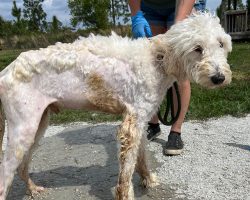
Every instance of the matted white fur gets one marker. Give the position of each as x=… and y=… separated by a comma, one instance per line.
x=112, y=74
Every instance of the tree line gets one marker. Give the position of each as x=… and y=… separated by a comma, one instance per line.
x=94, y=14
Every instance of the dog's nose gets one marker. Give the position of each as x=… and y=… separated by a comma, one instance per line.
x=218, y=79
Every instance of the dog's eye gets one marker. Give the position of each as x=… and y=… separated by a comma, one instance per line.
x=159, y=57
x=198, y=49
x=221, y=45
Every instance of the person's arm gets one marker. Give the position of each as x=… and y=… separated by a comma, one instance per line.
x=184, y=9
x=135, y=6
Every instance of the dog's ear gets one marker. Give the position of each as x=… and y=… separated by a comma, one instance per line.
x=228, y=42
x=159, y=45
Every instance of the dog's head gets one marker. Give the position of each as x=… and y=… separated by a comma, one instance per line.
x=201, y=46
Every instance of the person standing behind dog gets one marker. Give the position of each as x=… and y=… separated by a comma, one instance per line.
x=153, y=17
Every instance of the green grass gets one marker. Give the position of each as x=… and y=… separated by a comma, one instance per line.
x=7, y=56
x=66, y=116
x=231, y=100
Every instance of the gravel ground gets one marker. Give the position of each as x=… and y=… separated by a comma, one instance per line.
x=78, y=161
x=216, y=161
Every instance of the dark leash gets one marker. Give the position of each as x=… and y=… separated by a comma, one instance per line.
x=168, y=116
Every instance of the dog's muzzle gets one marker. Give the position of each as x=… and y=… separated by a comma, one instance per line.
x=218, y=79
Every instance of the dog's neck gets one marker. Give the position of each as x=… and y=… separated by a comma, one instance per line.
x=165, y=58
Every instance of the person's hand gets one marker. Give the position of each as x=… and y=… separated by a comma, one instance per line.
x=140, y=26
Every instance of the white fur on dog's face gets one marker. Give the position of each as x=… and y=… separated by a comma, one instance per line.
x=202, y=48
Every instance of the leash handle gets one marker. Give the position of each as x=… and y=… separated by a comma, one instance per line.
x=170, y=107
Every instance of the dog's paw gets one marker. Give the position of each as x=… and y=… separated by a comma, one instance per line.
x=122, y=193
x=150, y=181
x=34, y=190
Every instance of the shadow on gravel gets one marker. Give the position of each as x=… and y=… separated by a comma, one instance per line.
x=85, y=158
x=160, y=142
x=241, y=146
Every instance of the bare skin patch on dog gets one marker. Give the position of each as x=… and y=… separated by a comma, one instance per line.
x=102, y=98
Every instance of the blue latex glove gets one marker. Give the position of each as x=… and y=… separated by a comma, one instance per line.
x=140, y=26
x=200, y=5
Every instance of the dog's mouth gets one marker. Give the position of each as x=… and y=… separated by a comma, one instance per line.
x=211, y=78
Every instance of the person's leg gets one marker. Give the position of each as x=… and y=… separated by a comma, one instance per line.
x=174, y=144
x=185, y=93
x=157, y=21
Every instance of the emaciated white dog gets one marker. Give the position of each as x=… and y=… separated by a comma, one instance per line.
x=110, y=74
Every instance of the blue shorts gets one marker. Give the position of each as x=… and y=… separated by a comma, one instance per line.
x=159, y=17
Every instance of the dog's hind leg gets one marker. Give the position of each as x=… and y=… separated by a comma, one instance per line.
x=23, y=123
x=130, y=137
x=148, y=179
x=20, y=138
x=23, y=169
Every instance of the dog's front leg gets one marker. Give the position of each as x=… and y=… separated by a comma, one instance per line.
x=148, y=179
x=130, y=137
